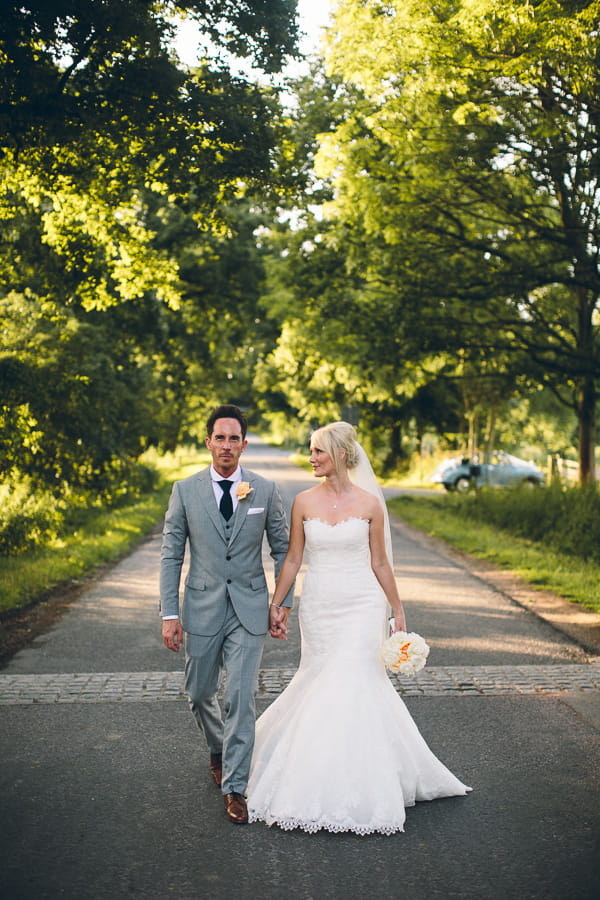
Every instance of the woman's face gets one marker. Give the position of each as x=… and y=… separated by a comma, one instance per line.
x=321, y=462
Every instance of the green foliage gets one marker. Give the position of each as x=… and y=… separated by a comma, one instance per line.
x=90, y=533
x=465, y=196
x=218, y=332
x=34, y=517
x=537, y=425
x=103, y=537
x=73, y=70
x=129, y=269
x=543, y=566
x=344, y=341
x=565, y=519
x=74, y=397
x=27, y=519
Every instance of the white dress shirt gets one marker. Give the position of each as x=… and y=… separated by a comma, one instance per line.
x=235, y=477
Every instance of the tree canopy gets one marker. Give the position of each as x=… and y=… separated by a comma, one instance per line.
x=466, y=200
x=127, y=195
x=415, y=235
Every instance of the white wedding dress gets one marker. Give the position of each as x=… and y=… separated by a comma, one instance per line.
x=338, y=750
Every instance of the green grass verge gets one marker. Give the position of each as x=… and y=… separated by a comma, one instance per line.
x=104, y=537
x=545, y=569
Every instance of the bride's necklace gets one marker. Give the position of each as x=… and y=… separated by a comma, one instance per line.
x=336, y=499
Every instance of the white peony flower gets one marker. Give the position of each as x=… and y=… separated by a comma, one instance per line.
x=404, y=654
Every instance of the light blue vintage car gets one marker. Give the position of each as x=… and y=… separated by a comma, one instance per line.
x=503, y=470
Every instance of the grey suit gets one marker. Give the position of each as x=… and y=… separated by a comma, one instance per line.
x=225, y=610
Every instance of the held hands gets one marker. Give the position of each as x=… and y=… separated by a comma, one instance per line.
x=278, y=616
x=172, y=634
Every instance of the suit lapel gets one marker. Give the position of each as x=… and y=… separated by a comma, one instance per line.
x=242, y=509
x=207, y=496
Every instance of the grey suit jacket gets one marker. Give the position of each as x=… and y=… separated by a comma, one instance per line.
x=223, y=561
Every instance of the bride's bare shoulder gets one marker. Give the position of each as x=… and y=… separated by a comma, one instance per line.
x=369, y=503
x=310, y=492
x=305, y=497
x=307, y=502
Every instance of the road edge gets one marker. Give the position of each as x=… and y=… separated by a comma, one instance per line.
x=580, y=624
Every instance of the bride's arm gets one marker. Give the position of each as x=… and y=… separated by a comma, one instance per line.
x=277, y=615
x=382, y=569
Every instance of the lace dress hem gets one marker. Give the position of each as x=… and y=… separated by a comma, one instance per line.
x=292, y=823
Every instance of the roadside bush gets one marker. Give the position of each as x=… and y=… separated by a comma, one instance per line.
x=32, y=517
x=565, y=519
x=27, y=518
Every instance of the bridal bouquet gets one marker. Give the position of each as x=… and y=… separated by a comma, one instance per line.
x=404, y=654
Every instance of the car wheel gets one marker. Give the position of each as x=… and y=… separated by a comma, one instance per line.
x=531, y=483
x=462, y=484
x=449, y=485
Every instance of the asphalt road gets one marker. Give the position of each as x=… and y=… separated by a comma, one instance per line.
x=110, y=798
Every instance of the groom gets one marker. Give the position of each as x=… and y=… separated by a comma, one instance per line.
x=223, y=513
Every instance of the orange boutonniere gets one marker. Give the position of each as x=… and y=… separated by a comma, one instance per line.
x=243, y=489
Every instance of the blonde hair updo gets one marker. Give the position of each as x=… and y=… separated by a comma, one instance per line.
x=338, y=439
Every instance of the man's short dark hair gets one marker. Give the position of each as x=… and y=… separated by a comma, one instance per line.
x=227, y=411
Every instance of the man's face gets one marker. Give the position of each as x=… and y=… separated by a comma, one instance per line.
x=226, y=445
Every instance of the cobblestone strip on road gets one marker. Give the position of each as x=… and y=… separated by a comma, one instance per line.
x=142, y=687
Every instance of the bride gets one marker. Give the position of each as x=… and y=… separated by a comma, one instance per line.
x=338, y=750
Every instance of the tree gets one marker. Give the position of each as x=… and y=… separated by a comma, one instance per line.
x=110, y=148
x=343, y=337
x=470, y=169
x=79, y=66
x=213, y=339
x=344, y=342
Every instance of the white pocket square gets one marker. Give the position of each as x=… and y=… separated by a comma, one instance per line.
x=253, y=511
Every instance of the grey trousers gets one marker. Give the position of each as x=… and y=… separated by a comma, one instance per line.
x=229, y=731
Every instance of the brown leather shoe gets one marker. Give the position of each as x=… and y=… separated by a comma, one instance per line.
x=216, y=767
x=236, y=809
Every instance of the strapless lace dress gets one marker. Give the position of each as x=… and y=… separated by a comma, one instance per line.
x=338, y=749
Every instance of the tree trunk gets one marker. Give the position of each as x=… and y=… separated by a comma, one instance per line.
x=472, y=439
x=395, y=446
x=490, y=433
x=586, y=412
x=586, y=391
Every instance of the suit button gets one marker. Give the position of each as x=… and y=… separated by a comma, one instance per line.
x=227, y=558
x=229, y=581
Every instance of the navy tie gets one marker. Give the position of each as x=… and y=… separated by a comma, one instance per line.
x=226, y=504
